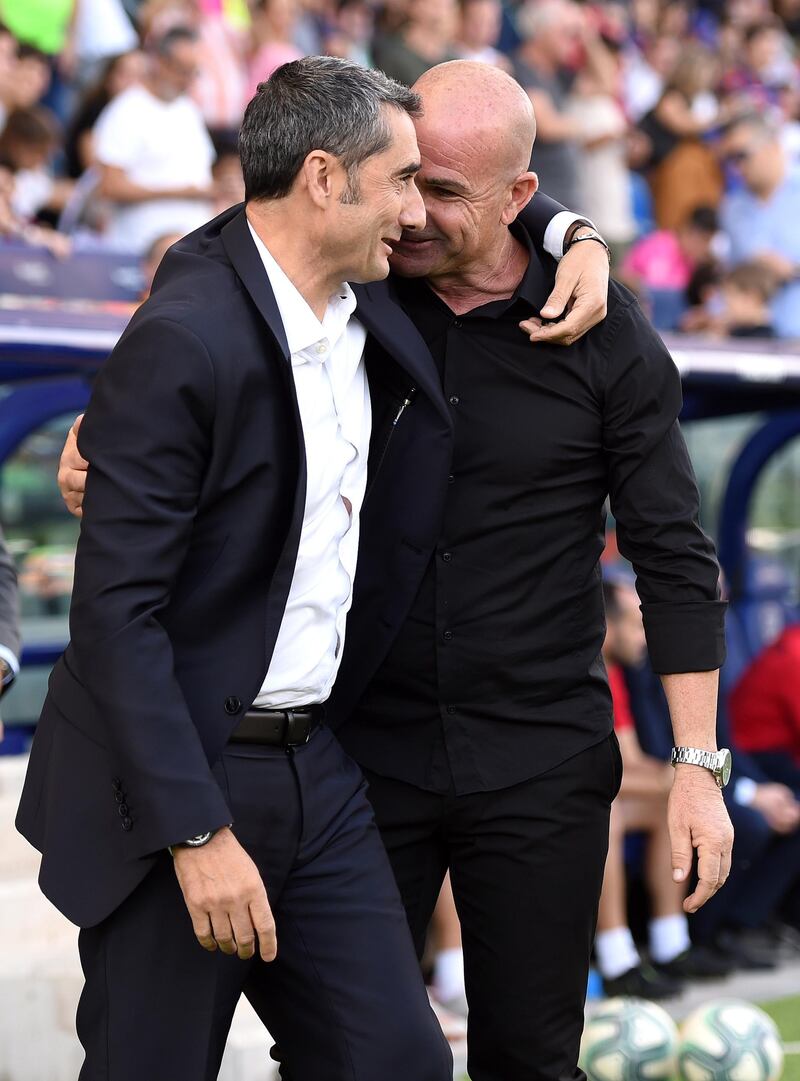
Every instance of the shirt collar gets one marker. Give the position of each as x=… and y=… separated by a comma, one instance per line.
x=304, y=332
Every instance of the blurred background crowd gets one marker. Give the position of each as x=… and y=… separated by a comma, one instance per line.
x=674, y=125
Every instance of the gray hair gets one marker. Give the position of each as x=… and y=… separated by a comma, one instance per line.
x=317, y=103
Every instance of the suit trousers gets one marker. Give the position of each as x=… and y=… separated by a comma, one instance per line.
x=344, y=996
x=526, y=865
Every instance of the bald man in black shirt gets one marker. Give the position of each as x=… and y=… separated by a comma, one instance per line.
x=486, y=730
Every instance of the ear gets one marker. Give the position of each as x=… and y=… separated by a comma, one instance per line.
x=319, y=175
x=519, y=195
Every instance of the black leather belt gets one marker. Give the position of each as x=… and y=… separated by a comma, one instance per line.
x=279, y=727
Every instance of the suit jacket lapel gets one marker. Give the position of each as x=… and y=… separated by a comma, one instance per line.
x=246, y=261
x=386, y=321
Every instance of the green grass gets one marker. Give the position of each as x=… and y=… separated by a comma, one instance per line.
x=785, y=1012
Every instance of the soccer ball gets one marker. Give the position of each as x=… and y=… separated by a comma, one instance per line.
x=730, y=1041
x=628, y=1039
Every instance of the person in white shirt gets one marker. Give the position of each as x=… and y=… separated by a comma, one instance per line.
x=153, y=151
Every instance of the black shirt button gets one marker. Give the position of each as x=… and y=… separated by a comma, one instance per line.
x=119, y=796
x=123, y=810
x=447, y=636
x=127, y=824
x=451, y=709
x=457, y=323
x=447, y=557
x=451, y=479
x=117, y=783
x=454, y=399
x=232, y=704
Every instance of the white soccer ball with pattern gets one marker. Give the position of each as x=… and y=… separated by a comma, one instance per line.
x=730, y=1040
x=629, y=1039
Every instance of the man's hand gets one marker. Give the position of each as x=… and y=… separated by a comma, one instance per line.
x=777, y=804
x=72, y=472
x=226, y=898
x=698, y=819
x=580, y=293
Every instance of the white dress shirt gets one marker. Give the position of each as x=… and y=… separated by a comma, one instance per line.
x=333, y=396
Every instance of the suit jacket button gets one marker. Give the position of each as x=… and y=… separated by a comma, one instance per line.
x=127, y=824
x=232, y=705
x=123, y=810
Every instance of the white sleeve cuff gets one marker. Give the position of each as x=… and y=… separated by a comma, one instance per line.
x=744, y=791
x=557, y=229
x=11, y=660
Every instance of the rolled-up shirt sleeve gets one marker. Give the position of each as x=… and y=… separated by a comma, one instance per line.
x=655, y=501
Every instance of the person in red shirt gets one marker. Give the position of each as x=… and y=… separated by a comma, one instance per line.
x=640, y=807
x=765, y=709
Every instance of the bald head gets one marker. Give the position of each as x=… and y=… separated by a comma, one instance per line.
x=480, y=109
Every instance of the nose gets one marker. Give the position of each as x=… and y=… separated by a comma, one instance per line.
x=412, y=215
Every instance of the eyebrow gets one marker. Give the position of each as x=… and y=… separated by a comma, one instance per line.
x=409, y=170
x=450, y=185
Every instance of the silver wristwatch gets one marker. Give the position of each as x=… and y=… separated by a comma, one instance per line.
x=717, y=762
x=193, y=842
x=586, y=232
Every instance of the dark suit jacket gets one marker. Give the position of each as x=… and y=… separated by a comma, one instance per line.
x=191, y=524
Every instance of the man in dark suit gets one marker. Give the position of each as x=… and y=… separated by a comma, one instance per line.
x=229, y=434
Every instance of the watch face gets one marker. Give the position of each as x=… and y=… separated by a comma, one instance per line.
x=726, y=761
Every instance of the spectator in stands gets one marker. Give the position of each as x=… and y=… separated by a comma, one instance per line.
x=152, y=260
x=605, y=181
x=31, y=77
x=555, y=35
x=273, y=44
x=641, y=806
x=681, y=169
x=761, y=218
x=351, y=35
x=479, y=26
x=764, y=883
x=765, y=709
x=426, y=38
x=746, y=292
x=28, y=143
x=119, y=73
x=8, y=68
x=154, y=152
x=226, y=173
x=662, y=264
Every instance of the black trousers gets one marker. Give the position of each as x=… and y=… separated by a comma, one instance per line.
x=344, y=997
x=526, y=865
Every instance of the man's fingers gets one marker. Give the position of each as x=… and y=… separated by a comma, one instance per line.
x=243, y=933
x=681, y=855
x=556, y=304
x=264, y=925
x=708, y=878
x=223, y=932
x=202, y=930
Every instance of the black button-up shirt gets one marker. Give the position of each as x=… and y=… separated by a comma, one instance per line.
x=496, y=674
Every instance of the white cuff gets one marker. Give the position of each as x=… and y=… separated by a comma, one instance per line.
x=744, y=791
x=11, y=660
x=557, y=229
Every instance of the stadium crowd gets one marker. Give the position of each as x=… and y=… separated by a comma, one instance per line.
x=675, y=126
